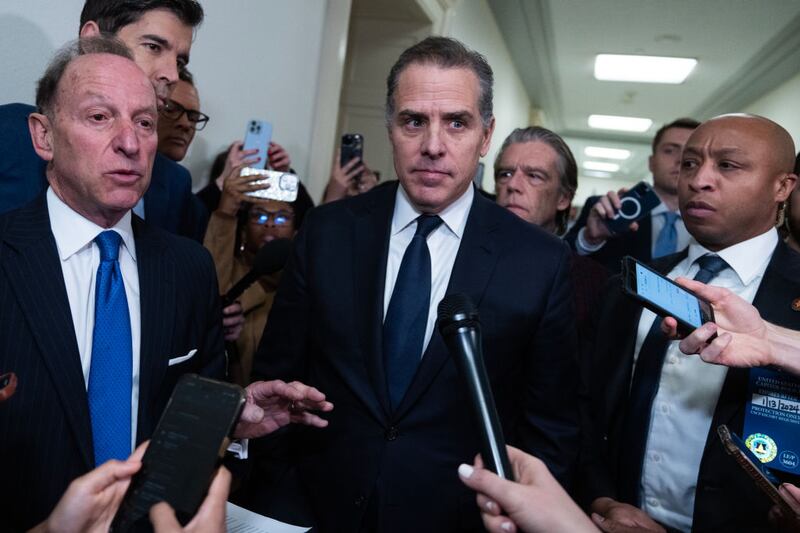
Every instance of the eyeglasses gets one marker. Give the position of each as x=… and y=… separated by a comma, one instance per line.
x=281, y=218
x=174, y=111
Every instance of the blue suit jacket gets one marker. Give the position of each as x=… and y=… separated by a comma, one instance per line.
x=45, y=429
x=168, y=203
x=325, y=329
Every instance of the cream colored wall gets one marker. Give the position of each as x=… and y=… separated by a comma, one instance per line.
x=472, y=22
x=782, y=105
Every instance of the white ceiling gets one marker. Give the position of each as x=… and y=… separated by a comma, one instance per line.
x=744, y=48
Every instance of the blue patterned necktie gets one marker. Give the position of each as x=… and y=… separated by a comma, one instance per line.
x=110, y=375
x=644, y=387
x=407, y=316
x=667, y=241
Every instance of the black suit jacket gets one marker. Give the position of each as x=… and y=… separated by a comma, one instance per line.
x=638, y=244
x=46, y=430
x=726, y=499
x=325, y=329
x=168, y=203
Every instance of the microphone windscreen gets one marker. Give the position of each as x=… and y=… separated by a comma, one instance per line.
x=271, y=257
x=456, y=308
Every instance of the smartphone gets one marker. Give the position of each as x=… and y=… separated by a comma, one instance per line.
x=352, y=146
x=664, y=297
x=184, y=451
x=281, y=186
x=635, y=204
x=763, y=477
x=257, y=136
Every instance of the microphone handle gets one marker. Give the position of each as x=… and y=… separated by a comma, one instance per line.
x=239, y=287
x=467, y=347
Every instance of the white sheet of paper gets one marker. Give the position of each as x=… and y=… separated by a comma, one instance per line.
x=240, y=520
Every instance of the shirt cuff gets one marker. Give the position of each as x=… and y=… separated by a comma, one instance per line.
x=583, y=247
x=239, y=448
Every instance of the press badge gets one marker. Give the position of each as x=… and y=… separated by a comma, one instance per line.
x=772, y=419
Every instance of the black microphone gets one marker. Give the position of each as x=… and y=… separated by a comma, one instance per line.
x=269, y=259
x=459, y=325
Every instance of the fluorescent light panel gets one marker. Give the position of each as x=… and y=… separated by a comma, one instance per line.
x=596, y=174
x=645, y=69
x=610, y=122
x=603, y=166
x=606, y=153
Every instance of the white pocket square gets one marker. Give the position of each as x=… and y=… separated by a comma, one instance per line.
x=181, y=359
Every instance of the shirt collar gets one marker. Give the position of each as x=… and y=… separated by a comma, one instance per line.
x=740, y=257
x=454, y=215
x=73, y=233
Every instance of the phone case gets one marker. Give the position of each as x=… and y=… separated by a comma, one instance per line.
x=764, y=479
x=280, y=186
x=636, y=204
x=352, y=147
x=257, y=136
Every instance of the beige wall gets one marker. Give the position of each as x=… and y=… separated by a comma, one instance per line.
x=782, y=105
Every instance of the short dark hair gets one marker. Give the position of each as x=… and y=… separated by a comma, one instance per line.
x=683, y=123
x=444, y=52
x=567, y=167
x=113, y=15
x=47, y=88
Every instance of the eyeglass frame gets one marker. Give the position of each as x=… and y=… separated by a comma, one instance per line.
x=198, y=119
x=255, y=216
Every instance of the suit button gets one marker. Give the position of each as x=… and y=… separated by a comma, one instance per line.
x=392, y=433
x=359, y=501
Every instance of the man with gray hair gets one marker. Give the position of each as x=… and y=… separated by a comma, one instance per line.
x=356, y=310
x=102, y=313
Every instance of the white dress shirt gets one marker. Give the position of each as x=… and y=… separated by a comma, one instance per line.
x=688, y=391
x=443, y=243
x=657, y=222
x=80, y=257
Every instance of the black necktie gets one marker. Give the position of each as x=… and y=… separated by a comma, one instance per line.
x=407, y=315
x=644, y=386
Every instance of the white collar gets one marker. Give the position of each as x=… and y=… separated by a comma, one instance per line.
x=73, y=232
x=454, y=215
x=747, y=258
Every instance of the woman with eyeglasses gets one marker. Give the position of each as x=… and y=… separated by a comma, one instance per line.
x=236, y=230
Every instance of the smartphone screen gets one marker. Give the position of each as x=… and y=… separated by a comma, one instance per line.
x=257, y=136
x=184, y=450
x=664, y=297
x=680, y=303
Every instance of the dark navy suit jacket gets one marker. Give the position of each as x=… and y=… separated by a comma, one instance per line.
x=726, y=498
x=168, y=203
x=325, y=329
x=45, y=429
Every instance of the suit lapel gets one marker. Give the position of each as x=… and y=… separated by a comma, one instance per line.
x=370, y=252
x=158, y=305
x=475, y=261
x=34, y=272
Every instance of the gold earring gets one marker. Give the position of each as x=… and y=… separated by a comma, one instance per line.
x=781, y=218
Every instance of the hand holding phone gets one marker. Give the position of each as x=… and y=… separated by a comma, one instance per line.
x=634, y=205
x=352, y=147
x=184, y=451
x=664, y=297
x=257, y=137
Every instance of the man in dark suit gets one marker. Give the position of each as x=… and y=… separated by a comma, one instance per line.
x=160, y=36
x=659, y=458
x=355, y=313
x=101, y=313
x=661, y=232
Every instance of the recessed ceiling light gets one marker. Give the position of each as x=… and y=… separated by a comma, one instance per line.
x=646, y=69
x=610, y=122
x=596, y=174
x=606, y=153
x=600, y=165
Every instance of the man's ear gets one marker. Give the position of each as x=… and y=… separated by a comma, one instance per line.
x=41, y=135
x=90, y=29
x=785, y=186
